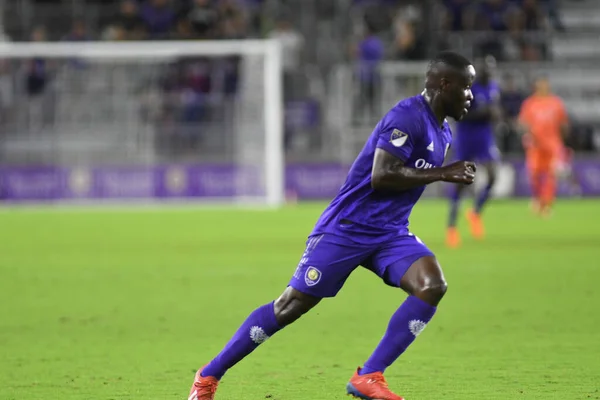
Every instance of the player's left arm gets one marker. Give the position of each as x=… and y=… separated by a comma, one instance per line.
x=391, y=175
x=399, y=134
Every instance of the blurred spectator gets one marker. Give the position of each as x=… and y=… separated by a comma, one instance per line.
x=506, y=29
x=409, y=42
x=551, y=7
x=494, y=15
x=197, y=76
x=38, y=74
x=184, y=30
x=197, y=85
x=458, y=15
x=78, y=32
x=292, y=44
x=369, y=53
x=233, y=20
x=7, y=97
x=377, y=16
x=3, y=36
x=203, y=17
x=112, y=33
x=531, y=52
x=325, y=10
x=511, y=98
x=233, y=29
x=128, y=22
x=532, y=16
x=158, y=17
x=513, y=42
x=254, y=14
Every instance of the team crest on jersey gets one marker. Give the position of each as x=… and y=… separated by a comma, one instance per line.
x=312, y=276
x=398, y=138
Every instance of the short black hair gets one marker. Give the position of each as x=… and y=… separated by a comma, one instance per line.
x=450, y=59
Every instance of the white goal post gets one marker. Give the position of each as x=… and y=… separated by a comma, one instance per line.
x=93, y=114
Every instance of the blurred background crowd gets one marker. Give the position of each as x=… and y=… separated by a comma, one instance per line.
x=333, y=55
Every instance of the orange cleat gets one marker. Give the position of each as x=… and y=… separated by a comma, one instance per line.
x=370, y=387
x=545, y=211
x=476, y=224
x=535, y=206
x=452, y=237
x=204, y=388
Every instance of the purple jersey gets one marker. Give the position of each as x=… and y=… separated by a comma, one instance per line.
x=409, y=131
x=475, y=139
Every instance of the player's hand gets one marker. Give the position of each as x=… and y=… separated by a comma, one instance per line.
x=459, y=172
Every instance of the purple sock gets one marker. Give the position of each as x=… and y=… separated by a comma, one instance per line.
x=406, y=324
x=482, y=198
x=258, y=327
x=454, y=201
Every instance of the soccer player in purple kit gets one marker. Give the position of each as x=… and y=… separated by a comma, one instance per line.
x=475, y=141
x=366, y=225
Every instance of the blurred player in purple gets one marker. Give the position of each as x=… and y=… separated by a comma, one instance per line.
x=366, y=225
x=475, y=141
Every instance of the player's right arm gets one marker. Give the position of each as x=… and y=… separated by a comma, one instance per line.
x=390, y=174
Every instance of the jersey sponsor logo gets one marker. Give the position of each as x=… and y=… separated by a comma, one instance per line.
x=398, y=138
x=422, y=164
x=312, y=276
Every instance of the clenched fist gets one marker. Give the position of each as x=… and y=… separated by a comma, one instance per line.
x=459, y=172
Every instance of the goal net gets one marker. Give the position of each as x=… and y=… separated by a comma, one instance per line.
x=200, y=121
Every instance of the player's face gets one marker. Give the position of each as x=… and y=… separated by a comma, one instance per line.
x=542, y=86
x=459, y=95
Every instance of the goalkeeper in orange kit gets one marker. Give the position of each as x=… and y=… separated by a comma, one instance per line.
x=545, y=122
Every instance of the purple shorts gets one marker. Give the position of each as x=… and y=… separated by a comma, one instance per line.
x=330, y=259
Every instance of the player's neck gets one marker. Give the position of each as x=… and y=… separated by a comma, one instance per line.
x=435, y=105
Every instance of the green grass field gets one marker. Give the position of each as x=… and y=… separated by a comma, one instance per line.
x=127, y=305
